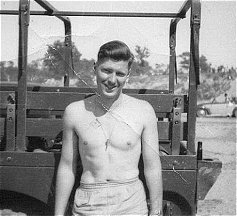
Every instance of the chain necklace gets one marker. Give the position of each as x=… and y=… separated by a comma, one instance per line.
x=108, y=138
x=99, y=124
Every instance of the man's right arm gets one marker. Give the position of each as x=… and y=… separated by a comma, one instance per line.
x=68, y=163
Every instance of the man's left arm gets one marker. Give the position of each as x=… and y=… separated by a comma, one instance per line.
x=151, y=159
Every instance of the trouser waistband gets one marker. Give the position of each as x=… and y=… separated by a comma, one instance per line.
x=112, y=183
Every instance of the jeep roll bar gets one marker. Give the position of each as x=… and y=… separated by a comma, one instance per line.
x=24, y=13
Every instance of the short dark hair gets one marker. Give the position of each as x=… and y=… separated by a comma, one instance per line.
x=115, y=50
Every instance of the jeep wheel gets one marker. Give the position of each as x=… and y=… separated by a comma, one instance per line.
x=201, y=112
x=176, y=207
x=21, y=205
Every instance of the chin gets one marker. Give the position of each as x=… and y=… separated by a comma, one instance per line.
x=110, y=95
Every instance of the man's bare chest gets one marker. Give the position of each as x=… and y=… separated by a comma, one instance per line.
x=113, y=130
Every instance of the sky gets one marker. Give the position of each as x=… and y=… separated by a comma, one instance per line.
x=217, y=32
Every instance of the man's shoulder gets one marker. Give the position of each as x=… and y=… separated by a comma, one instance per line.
x=80, y=107
x=139, y=103
x=142, y=109
x=75, y=106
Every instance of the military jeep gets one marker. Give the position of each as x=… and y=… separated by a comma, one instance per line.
x=31, y=122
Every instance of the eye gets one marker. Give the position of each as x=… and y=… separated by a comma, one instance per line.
x=107, y=71
x=120, y=74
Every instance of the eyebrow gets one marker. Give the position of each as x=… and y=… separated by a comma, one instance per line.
x=111, y=69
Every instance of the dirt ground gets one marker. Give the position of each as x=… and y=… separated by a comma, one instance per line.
x=219, y=141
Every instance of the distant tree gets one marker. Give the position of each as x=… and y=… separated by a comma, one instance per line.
x=10, y=64
x=213, y=86
x=85, y=73
x=205, y=67
x=161, y=69
x=141, y=55
x=140, y=66
x=54, y=60
x=35, y=73
x=2, y=64
x=214, y=81
x=11, y=71
x=231, y=73
x=205, y=91
x=184, y=62
x=4, y=76
x=82, y=69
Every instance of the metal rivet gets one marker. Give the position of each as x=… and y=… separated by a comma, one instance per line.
x=9, y=159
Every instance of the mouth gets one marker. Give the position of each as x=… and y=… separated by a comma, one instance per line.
x=110, y=88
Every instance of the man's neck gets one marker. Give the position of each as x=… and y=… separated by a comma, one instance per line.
x=109, y=103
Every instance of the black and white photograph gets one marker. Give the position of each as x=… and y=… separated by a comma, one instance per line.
x=118, y=108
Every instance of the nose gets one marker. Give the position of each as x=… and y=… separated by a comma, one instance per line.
x=112, y=78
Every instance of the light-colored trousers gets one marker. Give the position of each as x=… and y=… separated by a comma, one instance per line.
x=111, y=198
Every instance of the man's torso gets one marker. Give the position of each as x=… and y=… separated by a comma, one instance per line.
x=109, y=143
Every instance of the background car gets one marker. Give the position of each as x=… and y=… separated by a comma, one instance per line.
x=216, y=108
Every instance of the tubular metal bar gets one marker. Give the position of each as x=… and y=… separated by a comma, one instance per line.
x=193, y=72
x=50, y=9
x=183, y=10
x=68, y=39
x=172, y=64
x=97, y=14
x=68, y=53
x=172, y=43
x=24, y=13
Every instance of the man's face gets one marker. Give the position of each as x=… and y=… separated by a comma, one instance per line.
x=111, y=77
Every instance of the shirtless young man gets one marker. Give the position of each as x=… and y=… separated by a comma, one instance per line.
x=110, y=130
